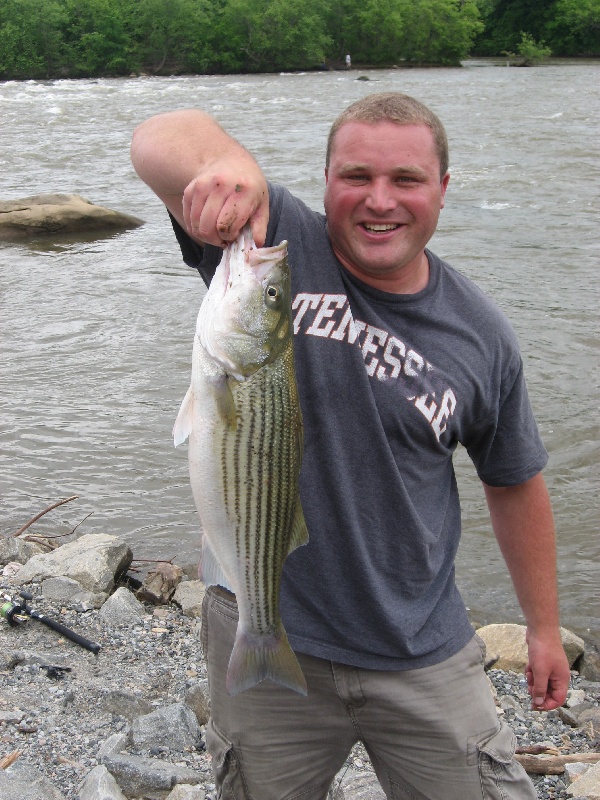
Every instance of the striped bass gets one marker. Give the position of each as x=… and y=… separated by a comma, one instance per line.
x=242, y=416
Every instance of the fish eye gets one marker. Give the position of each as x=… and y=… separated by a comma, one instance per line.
x=272, y=293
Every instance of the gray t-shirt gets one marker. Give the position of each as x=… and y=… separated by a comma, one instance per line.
x=389, y=384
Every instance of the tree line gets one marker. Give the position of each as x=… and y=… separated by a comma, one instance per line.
x=88, y=38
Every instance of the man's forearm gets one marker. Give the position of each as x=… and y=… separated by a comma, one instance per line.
x=209, y=182
x=524, y=527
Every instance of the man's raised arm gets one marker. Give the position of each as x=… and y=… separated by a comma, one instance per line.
x=208, y=181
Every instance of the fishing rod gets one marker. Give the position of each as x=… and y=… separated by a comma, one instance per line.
x=16, y=613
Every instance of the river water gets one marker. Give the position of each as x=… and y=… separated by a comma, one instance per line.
x=96, y=336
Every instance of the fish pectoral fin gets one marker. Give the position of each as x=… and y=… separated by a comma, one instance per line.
x=211, y=572
x=299, y=530
x=224, y=401
x=185, y=419
x=258, y=656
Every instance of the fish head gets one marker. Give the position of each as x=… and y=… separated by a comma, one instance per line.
x=249, y=323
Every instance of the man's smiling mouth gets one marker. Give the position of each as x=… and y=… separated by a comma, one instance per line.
x=383, y=228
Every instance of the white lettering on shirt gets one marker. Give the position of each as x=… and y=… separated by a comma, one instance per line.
x=385, y=356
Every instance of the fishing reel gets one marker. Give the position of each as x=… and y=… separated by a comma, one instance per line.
x=14, y=613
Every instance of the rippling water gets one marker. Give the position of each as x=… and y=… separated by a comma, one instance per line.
x=96, y=335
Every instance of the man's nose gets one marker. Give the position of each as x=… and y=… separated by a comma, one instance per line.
x=380, y=197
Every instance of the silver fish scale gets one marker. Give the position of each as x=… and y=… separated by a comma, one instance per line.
x=260, y=460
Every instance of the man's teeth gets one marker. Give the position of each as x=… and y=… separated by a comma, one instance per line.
x=389, y=227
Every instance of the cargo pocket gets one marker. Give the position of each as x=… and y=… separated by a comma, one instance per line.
x=502, y=778
x=226, y=768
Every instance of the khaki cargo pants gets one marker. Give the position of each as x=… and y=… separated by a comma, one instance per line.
x=431, y=733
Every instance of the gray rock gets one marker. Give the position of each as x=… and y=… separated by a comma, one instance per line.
x=174, y=727
x=189, y=596
x=69, y=592
x=21, y=781
x=198, y=699
x=122, y=608
x=125, y=704
x=26, y=658
x=150, y=778
x=93, y=561
x=113, y=746
x=589, y=665
x=185, y=792
x=52, y=214
x=99, y=784
x=508, y=640
x=579, y=715
x=16, y=549
x=356, y=785
x=588, y=786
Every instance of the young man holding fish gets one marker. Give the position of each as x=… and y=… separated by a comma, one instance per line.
x=398, y=358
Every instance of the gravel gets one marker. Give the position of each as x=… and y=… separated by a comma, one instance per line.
x=58, y=720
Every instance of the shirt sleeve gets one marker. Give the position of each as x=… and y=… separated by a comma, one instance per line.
x=506, y=446
x=204, y=259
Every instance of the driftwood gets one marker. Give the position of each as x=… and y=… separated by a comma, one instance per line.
x=9, y=759
x=45, y=511
x=554, y=764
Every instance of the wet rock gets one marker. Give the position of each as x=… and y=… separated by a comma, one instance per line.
x=160, y=583
x=51, y=214
x=93, y=561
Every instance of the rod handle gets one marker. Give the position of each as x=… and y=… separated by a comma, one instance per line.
x=67, y=632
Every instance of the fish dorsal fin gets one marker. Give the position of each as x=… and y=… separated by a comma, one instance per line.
x=211, y=571
x=185, y=418
x=299, y=530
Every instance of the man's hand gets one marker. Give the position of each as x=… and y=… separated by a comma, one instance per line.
x=222, y=199
x=547, y=672
x=209, y=182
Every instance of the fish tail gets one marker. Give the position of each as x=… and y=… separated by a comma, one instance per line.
x=258, y=656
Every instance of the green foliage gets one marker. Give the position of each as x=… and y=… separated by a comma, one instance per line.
x=533, y=52
x=95, y=38
x=79, y=38
x=264, y=35
x=575, y=27
x=30, y=38
x=529, y=52
x=439, y=31
x=570, y=27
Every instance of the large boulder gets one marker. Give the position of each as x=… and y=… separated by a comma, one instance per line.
x=94, y=561
x=508, y=642
x=52, y=214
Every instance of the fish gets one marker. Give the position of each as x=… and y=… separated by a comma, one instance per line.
x=242, y=417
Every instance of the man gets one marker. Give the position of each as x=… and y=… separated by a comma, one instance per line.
x=398, y=359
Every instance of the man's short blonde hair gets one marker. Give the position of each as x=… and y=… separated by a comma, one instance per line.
x=393, y=107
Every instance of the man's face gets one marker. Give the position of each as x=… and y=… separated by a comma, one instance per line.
x=383, y=197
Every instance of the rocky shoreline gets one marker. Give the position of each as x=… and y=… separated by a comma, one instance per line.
x=128, y=722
